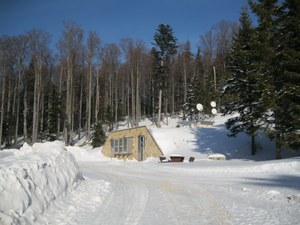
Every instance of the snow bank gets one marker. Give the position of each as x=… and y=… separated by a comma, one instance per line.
x=237, y=167
x=32, y=178
x=88, y=153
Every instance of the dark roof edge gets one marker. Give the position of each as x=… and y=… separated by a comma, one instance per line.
x=115, y=131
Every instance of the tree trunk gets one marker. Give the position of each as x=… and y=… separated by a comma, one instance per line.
x=35, y=105
x=97, y=104
x=68, y=102
x=278, y=146
x=173, y=96
x=253, y=145
x=39, y=101
x=184, y=83
x=80, y=109
x=14, y=104
x=133, y=98
x=128, y=105
x=2, y=110
x=49, y=106
x=153, y=99
x=116, y=100
x=8, y=113
x=89, y=103
x=166, y=111
x=215, y=79
x=60, y=98
x=25, y=102
x=278, y=151
x=159, y=109
x=137, y=107
x=18, y=106
x=72, y=110
x=41, y=106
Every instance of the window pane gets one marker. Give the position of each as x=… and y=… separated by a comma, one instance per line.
x=116, y=146
x=112, y=145
x=125, y=145
x=112, y=142
x=121, y=145
x=130, y=145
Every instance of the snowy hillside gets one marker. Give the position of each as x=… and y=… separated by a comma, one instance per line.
x=199, y=143
x=45, y=184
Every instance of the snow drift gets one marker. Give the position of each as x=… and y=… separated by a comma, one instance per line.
x=33, y=177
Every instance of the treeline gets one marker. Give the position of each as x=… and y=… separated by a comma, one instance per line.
x=245, y=68
x=264, y=74
x=49, y=94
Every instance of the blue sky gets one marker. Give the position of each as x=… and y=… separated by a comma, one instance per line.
x=116, y=19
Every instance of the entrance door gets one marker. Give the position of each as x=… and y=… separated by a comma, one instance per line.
x=141, y=147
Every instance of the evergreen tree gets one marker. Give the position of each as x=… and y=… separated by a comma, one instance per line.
x=242, y=90
x=202, y=92
x=98, y=136
x=165, y=41
x=278, y=44
x=190, y=104
x=165, y=47
x=286, y=79
x=52, y=106
x=265, y=41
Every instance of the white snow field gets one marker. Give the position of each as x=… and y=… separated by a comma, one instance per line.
x=45, y=184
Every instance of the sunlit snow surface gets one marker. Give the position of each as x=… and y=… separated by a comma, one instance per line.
x=32, y=178
x=52, y=184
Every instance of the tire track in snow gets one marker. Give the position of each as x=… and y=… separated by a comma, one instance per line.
x=217, y=212
x=125, y=204
x=137, y=198
x=184, y=202
x=145, y=197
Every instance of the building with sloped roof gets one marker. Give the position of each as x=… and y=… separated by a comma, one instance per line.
x=134, y=143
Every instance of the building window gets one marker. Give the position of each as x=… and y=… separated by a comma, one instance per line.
x=112, y=145
x=116, y=146
x=122, y=145
x=129, y=145
x=125, y=143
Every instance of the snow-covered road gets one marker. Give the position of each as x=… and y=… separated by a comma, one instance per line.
x=115, y=192
x=136, y=194
x=142, y=196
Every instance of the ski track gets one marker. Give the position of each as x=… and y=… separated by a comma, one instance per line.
x=121, y=195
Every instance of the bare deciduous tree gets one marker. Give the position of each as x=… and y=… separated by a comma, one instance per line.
x=111, y=63
x=92, y=49
x=21, y=51
x=38, y=41
x=71, y=44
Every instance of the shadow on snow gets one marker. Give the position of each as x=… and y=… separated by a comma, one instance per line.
x=215, y=140
x=284, y=181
